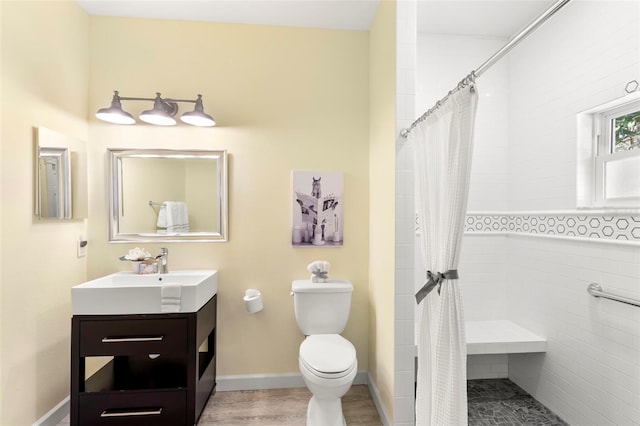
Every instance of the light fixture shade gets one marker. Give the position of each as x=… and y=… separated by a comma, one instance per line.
x=115, y=114
x=198, y=117
x=159, y=114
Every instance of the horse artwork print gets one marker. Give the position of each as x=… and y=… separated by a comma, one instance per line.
x=317, y=219
x=316, y=191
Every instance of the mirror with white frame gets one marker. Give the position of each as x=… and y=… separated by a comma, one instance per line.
x=60, y=176
x=160, y=195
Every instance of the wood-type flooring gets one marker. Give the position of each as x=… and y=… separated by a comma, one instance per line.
x=283, y=407
x=279, y=407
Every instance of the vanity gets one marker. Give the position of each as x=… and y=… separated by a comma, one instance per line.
x=161, y=367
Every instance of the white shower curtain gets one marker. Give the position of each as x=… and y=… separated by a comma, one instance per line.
x=443, y=147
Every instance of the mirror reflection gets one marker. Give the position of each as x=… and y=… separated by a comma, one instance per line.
x=167, y=195
x=53, y=188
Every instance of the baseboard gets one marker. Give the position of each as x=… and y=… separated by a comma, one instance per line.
x=271, y=381
x=55, y=415
x=375, y=395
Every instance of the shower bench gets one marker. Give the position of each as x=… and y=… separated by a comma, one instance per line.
x=501, y=337
x=490, y=344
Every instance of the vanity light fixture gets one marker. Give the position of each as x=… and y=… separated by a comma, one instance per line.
x=162, y=113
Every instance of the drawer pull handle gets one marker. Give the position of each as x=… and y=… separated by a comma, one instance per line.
x=124, y=413
x=132, y=339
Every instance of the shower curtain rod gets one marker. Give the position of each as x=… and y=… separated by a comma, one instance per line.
x=541, y=19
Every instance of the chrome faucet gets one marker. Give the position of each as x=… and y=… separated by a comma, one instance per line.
x=163, y=261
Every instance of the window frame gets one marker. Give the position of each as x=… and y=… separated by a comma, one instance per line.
x=595, y=145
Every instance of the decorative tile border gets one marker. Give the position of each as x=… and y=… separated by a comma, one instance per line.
x=622, y=227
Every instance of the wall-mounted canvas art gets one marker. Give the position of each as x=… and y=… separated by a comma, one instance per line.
x=317, y=209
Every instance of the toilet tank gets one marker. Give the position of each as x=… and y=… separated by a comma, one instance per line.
x=322, y=308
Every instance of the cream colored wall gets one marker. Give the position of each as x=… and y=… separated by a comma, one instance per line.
x=285, y=99
x=382, y=107
x=2, y=198
x=44, y=82
x=1, y=215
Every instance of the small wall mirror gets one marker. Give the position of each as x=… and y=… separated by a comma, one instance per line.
x=167, y=195
x=59, y=162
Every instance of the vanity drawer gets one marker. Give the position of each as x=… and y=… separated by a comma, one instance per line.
x=156, y=408
x=133, y=337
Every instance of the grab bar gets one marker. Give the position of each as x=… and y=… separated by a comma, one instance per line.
x=595, y=290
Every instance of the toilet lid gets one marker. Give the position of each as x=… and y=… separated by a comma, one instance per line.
x=328, y=353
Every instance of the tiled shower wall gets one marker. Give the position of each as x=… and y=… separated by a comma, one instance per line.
x=403, y=410
x=582, y=57
x=442, y=61
x=590, y=374
x=536, y=275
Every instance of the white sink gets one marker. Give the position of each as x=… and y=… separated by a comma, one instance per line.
x=129, y=293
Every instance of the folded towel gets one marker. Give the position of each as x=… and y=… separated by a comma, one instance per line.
x=171, y=295
x=171, y=291
x=162, y=216
x=170, y=308
x=175, y=218
x=319, y=271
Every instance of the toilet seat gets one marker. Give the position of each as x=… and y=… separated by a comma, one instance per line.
x=328, y=356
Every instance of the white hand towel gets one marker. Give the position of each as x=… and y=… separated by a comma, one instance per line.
x=183, y=217
x=162, y=216
x=177, y=216
x=171, y=295
x=171, y=215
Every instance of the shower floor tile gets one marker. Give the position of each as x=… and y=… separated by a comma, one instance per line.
x=501, y=402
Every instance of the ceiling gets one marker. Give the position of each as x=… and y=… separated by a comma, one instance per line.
x=331, y=14
x=491, y=18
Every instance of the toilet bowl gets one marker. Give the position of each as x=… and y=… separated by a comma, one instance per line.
x=328, y=365
x=327, y=360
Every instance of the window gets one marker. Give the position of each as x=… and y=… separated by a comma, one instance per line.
x=609, y=154
x=626, y=131
x=621, y=129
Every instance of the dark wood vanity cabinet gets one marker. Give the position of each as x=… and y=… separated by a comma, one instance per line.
x=162, y=368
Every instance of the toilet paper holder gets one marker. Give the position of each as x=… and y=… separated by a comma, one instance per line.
x=253, y=300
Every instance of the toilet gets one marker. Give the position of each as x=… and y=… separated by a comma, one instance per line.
x=327, y=360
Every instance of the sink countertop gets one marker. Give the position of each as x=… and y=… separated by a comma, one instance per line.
x=128, y=293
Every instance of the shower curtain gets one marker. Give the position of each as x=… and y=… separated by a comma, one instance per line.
x=443, y=147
